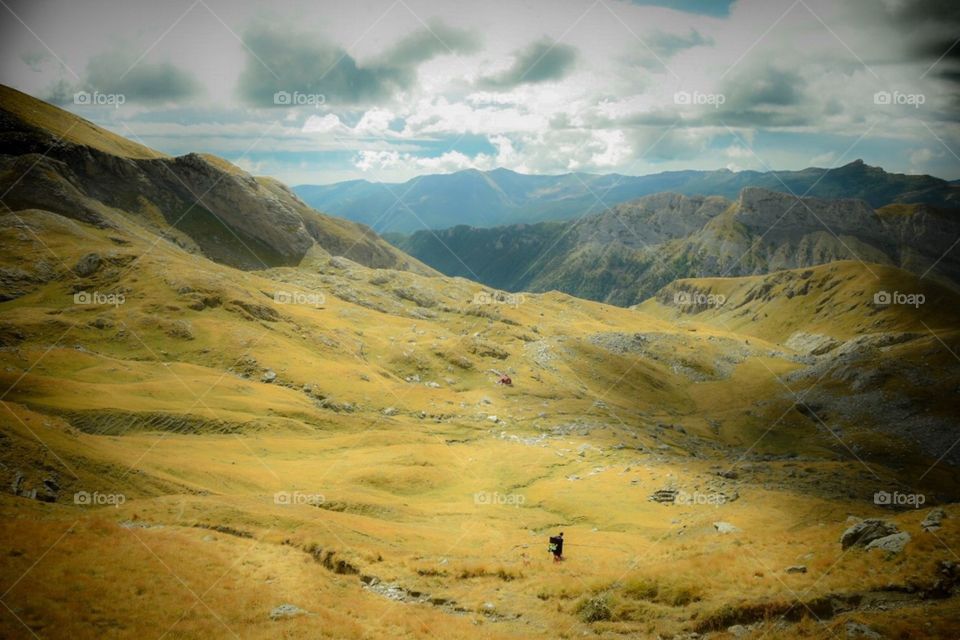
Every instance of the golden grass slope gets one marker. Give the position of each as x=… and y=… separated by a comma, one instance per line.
x=375, y=456
x=71, y=128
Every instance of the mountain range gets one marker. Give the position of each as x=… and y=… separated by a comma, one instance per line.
x=630, y=251
x=502, y=197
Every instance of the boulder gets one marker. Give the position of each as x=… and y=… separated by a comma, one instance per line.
x=866, y=531
x=87, y=265
x=725, y=527
x=934, y=520
x=892, y=544
x=269, y=376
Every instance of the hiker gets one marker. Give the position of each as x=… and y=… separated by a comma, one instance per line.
x=556, y=547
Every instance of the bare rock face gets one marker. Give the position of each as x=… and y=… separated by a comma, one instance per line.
x=650, y=220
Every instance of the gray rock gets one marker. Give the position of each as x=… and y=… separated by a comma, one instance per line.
x=16, y=484
x=892, y=544
x=87, y=265
x=934, y=520
x=857, y=630
x=725, y=527
x=269, y=376
x=286, y=611
x=738, y=631
x=866, y=531
x=664, y=496
x=797, y=568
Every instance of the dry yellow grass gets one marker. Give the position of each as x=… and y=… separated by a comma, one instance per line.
x=160, y=400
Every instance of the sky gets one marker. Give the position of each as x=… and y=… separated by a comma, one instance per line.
x=317, y=92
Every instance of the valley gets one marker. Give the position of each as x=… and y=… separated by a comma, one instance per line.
x=304, y=436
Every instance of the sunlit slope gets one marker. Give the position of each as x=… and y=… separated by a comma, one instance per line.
x=842, y=299
x=56, y=161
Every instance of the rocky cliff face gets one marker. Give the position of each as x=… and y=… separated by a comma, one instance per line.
x=766, y=231
x=650, y=220
x=630, y=251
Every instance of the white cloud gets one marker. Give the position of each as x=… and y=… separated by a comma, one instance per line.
x=614, y=112
x=376, y=121
x=323, y=124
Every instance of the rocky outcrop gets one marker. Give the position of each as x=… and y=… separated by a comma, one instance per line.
x=632, y=250
x=865, y=532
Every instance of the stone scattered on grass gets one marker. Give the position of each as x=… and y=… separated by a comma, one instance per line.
x=286, y=611
x=725, y=527
x=866, y=531
x=892, y=544
x=934, y=520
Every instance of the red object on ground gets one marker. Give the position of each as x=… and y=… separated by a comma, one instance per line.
x=506, y=380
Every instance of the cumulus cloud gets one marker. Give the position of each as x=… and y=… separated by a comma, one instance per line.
x=669, y=44
x=140, y=81
x=119, y=72
x=405, y=96
x=326, y=123
x=279, y=60
x=541, y=61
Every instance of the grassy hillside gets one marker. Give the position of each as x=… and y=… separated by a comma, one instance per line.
x=59, y=162
x=317, y=445
x=370, y=485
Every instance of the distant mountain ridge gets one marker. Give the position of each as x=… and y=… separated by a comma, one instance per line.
x=498, y=197
x=629, y=252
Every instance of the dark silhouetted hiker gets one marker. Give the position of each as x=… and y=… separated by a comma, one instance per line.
x=556, y=547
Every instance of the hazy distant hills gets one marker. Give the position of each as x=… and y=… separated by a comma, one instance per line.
x=491, y=198
x=629, y=252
